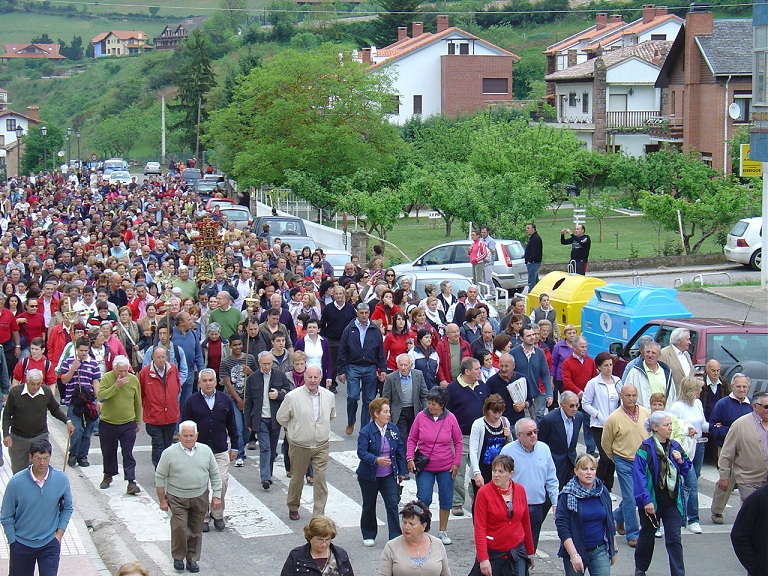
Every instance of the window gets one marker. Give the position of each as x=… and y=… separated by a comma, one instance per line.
x=745, y=108
x=585, y=103
x=672, y=103
x=417, y=106
x=392, y=106
x=10, y=125
x=572, y=99
x=495, y=86
x=655, y=37
x=760, y=82
x=463, y=48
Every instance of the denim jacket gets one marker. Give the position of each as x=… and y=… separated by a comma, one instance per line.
x=369, y=449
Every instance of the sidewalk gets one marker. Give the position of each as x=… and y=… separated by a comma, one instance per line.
x=78, y=552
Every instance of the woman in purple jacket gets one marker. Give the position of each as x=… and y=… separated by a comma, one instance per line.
x=562, y=350
x=317, y=350
x=436, y=434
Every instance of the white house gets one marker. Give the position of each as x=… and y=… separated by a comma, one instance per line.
x=608, y=100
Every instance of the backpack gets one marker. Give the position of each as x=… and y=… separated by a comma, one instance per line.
x=25, y=363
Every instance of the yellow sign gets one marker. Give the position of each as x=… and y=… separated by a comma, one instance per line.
x=749, y=168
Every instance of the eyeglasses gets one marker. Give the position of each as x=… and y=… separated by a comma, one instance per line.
x=389, y=275
x=41, y=458
x=510, y=509
x=413, y=508
x=32, y=306
x=532, y=432
x=322, y=540
x=763, y=406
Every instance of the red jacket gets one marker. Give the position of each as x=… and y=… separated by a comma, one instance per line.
x=576, y=374
x=380, y=314
x=491, y=519
x=394, y=345
x=443, y=350
x=57, y=340
x=160, y=404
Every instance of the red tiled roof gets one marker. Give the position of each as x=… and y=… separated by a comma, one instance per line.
x=586, y=70
x=49, y=51
x=636, y=27
x=588, y=34
x=406, y=46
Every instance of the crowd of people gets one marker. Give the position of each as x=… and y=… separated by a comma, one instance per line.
x=108, y=322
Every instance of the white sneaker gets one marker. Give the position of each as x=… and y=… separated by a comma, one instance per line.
x=444, y=538
x=659, y=532
x=694, y=528
x=368, y=542
x=614, y=498
x=239, y=463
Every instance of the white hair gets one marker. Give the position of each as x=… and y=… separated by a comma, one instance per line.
x=188, y=424
x=121, y=360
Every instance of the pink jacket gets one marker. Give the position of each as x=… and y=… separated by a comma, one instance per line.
x=435, y=442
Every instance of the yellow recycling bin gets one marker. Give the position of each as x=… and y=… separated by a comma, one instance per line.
x=568, y=294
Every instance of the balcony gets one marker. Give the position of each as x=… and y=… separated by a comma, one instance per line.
x=666, y=128
x=630, y=118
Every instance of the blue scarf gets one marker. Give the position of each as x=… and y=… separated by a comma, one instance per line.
x=575, y=491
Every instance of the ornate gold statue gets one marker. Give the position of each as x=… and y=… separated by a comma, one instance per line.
x=209, y=248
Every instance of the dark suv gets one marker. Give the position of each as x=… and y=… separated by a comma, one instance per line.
x=738, y=346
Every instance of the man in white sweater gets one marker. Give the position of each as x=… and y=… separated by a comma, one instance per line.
x=181, y=480
x=306, y=414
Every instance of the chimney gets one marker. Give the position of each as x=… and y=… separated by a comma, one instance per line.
x=699, y=20
x=402, y=33
x=601, y=20
x=571, y=58
x=661, y=11
x=34, y=113
x=615, y=18
x=418, y=29
x=366, y=55
x=442, y=23
x=649, y=13
x=656, y=57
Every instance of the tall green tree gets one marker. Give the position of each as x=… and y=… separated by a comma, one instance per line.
x=318, y=113
x=37, y=148
x=284, y=15
x=194, y=79
x=395, y=13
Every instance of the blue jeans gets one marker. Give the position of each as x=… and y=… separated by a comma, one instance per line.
x=536, y=513
x=242, y=429
x=387, y=487
x=23, y=559
x=596, y=562
x=186, y=392
x=268, y=436
x=360, y=379
x=533, y=274
x=625, y=513
x=425, y=481
x=80, y=442
x=691, y=486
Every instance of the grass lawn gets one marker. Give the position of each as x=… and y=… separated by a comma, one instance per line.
x=636, y=237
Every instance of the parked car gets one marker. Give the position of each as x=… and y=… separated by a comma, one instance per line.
x=153, y=168
x=118, y=177
x=509, y=269
x=738, y=346
x=221, y=202
x=240, y=215
x=280, y=227
x=745, y=242
x=337, y=258
x=296, y=242
x=190, y=176
x=458, y=282
x=206, y=188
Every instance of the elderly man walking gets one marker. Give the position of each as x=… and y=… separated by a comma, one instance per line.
x=651, y=376
x=160, y=388
x=623, y=432
x=306, y=414
x=214, y=415
x=120, y=396
x=534, y=470
x=182, y=477
x=676, y=355
x=25, y=418
x=745, y=451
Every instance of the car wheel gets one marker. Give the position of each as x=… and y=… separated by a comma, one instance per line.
x=757, y=259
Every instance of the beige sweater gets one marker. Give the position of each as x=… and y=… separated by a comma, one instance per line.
x=742, y=455
x=623, y=437
x=297, y=415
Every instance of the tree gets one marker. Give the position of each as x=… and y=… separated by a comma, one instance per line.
x=316, y=113
x=394, y=14
x=283, y=14
x=599, y=208
x=42, y=39
x=153, y=10
x=236, y=13
x=194, y=79
x=32, y=161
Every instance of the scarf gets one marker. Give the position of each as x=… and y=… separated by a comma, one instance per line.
x=667, y=468
x=298, y=378
x=576, y=491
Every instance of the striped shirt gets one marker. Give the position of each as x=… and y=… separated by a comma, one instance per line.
x=83, y=376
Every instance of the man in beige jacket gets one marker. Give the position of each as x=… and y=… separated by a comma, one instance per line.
x=677, y=357
x=745, y=450
x=306, y=414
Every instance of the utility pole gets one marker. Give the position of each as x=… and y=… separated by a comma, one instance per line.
x=162, y=130
x=197, y=139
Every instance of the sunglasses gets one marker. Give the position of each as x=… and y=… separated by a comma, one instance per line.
x=532, y=432
x=414, y=508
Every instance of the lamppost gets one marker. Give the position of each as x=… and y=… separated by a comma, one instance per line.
x=79, y=158
x=44, y=132
x=19, y=134
x=69, y=156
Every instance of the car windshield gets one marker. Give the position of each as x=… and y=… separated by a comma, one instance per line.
x=514, y=251
x=239, y=215
x=337, y=260
x=732, y=348
x=739, y=228
x=284, y=228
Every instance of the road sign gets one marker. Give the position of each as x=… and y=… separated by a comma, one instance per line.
x=748, y=168
x=94, y=157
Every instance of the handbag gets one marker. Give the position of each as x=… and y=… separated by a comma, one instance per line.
x=420, y=460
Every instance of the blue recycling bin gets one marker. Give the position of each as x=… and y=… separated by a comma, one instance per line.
x=617, y=311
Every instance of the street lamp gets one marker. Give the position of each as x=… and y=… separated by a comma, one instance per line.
x=79, y=159
x=19, y=134
x=69, y=156
x=44, y=132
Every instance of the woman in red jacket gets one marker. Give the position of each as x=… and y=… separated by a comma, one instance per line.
x=502, y=525
x=385, y=311
x=398, y=341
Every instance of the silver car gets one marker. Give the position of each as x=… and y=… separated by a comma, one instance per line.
x=458, y=283
x=509, y=269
